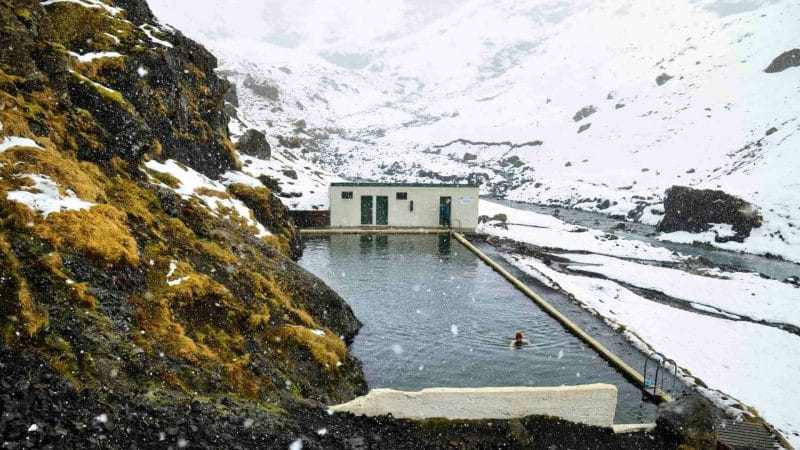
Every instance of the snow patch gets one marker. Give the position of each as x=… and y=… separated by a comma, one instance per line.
x=195, y=184
x=45, y=197
x=13, y=141
x=148, y=30
x=89, y=57
x=88, y=4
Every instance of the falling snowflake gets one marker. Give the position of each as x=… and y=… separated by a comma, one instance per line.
x=397, y=349
x=296, y=445
x=454, y=330
x=560, y=354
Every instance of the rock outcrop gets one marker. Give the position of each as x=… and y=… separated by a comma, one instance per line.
x=254, y=143
x=784, y=61
x=695, y=211
x=584, y=112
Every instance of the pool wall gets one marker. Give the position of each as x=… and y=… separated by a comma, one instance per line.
x=591, y=404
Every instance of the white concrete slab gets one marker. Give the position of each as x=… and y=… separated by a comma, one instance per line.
x=592, y=404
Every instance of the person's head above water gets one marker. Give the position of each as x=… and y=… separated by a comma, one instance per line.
x=518, y=337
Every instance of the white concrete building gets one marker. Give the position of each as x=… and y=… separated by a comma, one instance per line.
x=404, y=205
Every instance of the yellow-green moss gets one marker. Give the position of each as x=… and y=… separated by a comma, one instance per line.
x=108, y=94
x=100, y=233
x=327, y=350
x=165, y=178
x=34, y=317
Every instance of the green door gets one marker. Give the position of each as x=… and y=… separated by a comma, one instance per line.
x=382, y=210
x=366, y=210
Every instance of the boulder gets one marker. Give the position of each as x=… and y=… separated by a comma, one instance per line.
x=231, y=95
x=694, y=210
x=689, y=419
x=469, y=157
x=584, y=112
x=261, y=88
x=584, y=127
x=254, y=143
x=784, y=61
x=663, y=78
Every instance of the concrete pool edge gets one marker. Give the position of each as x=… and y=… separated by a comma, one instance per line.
x=592, y=404
x=615, y=360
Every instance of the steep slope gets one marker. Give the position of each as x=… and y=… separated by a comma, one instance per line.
x=595, y=105
x=127, y=273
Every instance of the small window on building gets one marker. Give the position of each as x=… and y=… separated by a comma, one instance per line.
x=347, y=195
x=402, y=196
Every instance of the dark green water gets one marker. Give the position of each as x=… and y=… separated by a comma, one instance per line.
x=434, y=315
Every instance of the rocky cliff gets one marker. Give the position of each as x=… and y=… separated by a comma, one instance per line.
x=126, y=268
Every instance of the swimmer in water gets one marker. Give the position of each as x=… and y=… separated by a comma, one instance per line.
x=519, y=341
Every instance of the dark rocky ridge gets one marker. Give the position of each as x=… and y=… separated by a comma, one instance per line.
x=694, y=210
x=785, y=60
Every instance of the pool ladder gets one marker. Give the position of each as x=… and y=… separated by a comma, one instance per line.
x=654, y=389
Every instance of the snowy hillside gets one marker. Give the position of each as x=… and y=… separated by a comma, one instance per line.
x=595, y=105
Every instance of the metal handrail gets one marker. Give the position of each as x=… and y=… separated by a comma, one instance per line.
x=661, y=361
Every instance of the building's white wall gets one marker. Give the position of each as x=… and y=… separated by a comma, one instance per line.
x=592, y=404
x=464, y=214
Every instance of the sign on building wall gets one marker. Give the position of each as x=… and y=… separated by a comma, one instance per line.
x=465, y=200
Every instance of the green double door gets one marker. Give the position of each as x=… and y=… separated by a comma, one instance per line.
x=381, y=210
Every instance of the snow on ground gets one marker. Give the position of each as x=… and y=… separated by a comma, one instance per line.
x=212, y=193
x=549, y=232
x=148, y=30
x=45, y=197
x=778, y=237
x=88, y=4
x=304, y=184
x=13, y=141
x=751, y=362
x=739, y=293
x=91, y=56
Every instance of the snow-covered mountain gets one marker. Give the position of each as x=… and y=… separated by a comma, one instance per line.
x=600, y=105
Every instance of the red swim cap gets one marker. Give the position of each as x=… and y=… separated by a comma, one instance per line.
x=518, y=336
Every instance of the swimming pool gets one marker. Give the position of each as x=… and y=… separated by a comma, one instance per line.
x=434, y=315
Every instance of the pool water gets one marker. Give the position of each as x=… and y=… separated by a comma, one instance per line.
x=434, y=315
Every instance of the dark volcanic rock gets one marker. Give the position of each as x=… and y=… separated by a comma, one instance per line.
x=690, y=419
x=232, y=96
x=663, y=78
x=469, y=157
x=784, y=61
x=254, y=143
x=584, y=127
x=692, y=210
x=262, y=88
x=584, y=112
x=771, y=131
